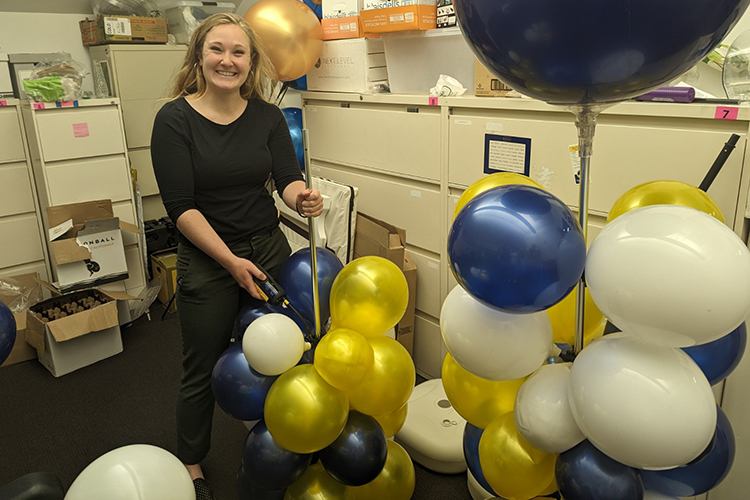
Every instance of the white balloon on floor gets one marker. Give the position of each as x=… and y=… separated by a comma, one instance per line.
x=542, y=412
x=671, y=275
x=490, y=343
x=134, y=472
x=273, y=344
x=644, y=405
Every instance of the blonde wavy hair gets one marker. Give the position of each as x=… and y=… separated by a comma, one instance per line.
x=190, y=80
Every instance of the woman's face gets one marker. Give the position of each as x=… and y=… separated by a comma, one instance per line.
x=225, y=59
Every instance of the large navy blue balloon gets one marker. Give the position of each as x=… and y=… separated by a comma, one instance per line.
x=296, y=280
x=293, y=118
x=266, y=464
x=7, y=332
x=472, y=435
x=593, y=51
x=702, y=474
x=517, y=248
x=719, y=358
x=358, y=455
x=585, y=473
x=246, y=490
x=239, y=390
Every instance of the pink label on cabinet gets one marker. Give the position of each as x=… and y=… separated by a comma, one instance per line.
x=38, y=105
x=433, y=101
x=726, y=113
x=66, y=104
x=80, y=129
x=3, y=103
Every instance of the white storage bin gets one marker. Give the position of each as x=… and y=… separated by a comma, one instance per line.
x=184, y=17
x=416, y=59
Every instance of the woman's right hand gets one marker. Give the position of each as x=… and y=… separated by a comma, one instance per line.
x=243, y=270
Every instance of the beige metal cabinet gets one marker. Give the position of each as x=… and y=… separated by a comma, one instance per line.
x=22, y=248
x=140, y=76
x=78, y=154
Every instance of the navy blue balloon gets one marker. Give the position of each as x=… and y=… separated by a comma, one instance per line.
x=7, y=332
x=296, y=280
x=593, y=51
x=585, y=473
x=254, y=309
x=702, y=474
x=719, y=358
x=358, y=455
x=239, y=390
x=316, y=7
x=246, y=490
x=299, y=84
x=293, y=118
x=517, y=248
x=266, y=464
x=472, y=435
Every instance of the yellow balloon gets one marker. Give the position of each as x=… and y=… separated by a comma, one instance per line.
x=390, y=382
x=563, y=318
x=395, y=482
x=368, y=296
x=479, y=401
x=303, y=412
x=393, y=422
x=291, y=35
x=664, y=193
x=317, y=484
x=490, y=181
x=512, y=467
x=343, y=358
x=552, y=488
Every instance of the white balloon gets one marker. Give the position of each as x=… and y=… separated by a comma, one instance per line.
x=490, y=343
x=671, y=275
x=273, y=343
x=655, y=495
x=134, y=472
x=644, y=405
x=542, y=412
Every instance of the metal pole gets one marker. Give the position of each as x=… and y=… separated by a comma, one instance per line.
x=312, y=238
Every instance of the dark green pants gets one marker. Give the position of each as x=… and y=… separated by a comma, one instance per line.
x=208, y=301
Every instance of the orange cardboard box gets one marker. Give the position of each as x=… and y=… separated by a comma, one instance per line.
x=403, y=18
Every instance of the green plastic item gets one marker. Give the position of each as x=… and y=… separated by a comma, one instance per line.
x=47, y=89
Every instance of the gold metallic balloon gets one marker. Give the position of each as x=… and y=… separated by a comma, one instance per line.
x=317, y=484
x=393, y=422
x=291, y=34
x=390, y=382
x=664, y=193
x=563, y=318
x=490, y=181
x=479, y=401
x=512, y=467
x=395, y=482
x=343, y=358
x=369, y=296
x=303, y=412
x=552, y=488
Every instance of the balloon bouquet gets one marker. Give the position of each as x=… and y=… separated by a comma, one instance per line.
x=633, y=416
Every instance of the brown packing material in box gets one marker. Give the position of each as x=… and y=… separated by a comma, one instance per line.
x=486, y=84
x=165, y=265
x=123, y=29
x=29, y=289
x=375, y=237
x=405, y=327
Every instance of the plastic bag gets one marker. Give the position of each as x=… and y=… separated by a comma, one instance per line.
x=447, y=86
x=59, y=79
x=140, y=8
x=19, y=295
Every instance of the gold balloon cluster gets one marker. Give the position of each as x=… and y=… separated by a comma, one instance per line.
x=354, y=366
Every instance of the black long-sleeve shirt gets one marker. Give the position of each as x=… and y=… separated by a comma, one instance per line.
x=221, y=170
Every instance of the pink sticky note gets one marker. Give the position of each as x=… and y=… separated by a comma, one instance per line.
x=38, y=105
x=726, y=113
x=80, y=129
x=433, y=101
x=3, y=103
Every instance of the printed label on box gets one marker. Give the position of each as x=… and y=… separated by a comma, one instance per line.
x=117, y=26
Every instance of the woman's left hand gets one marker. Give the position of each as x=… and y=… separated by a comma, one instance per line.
x=309, y=203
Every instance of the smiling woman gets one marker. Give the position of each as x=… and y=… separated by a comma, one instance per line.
x=214, y=147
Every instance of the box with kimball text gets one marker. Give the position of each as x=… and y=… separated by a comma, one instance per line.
x=86, y=243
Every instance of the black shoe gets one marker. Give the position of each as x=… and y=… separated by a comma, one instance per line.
x=202, y=491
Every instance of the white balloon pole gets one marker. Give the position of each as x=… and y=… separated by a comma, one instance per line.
x=311, y=231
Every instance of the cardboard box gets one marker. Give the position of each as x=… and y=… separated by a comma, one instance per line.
x=404, y=16
x=123, y=29
x=165, y=265
x=341, y=19
x=29, y=290
x=486, y=84
x=86, y=241
x=405, y=327
x=356, y=65
x=375, y=237
x=77, y=340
